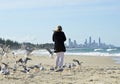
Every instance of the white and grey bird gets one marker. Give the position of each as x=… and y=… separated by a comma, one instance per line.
x=77, y=61
x=14, y=54
x=23, y=61
x=39, y=66
x=52, y=68
x=42, y=68
x=4, y=69
x=25, y=69
x=14, y=67
x=51, y=52
x=29, y=50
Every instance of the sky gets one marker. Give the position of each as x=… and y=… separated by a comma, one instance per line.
x=34, y=20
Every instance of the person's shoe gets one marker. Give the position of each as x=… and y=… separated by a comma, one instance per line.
x=59, y=70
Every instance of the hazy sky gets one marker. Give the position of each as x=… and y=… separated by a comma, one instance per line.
x=34, y=20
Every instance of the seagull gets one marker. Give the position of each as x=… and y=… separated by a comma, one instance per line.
x=26, y=69
x=39, y=66
x=4, y=69
x=29, y=50
x=5, y=65
x=6, y=48
x=42, y=68
x=14, y=67
x=71, y=65
x=14, y=55
x=52, y=68
x=2, y=51
x=79, y=63
x=51, y=53
x=23, y=61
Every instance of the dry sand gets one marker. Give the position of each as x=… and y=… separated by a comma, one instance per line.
x=93, y=70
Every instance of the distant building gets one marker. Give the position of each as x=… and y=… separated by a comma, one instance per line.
x=99, y=44
x=90, y=40
x=72, y=44
x=88, y=44
x=75, y=44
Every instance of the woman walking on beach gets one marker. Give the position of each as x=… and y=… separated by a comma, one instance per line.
x=59, y=48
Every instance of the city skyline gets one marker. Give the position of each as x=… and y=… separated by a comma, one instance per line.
x=34, y=20
x=89, y=43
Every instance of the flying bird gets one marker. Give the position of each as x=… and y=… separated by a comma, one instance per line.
x=79, y=63
x=48, y=49
x=29, y=50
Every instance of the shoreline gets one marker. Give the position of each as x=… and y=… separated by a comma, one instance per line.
x=115, y=59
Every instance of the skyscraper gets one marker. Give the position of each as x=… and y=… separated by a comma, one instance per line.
x=85, y=43
x=99, y=44
x=75, y=43
x=70, y=43
x=90, y=40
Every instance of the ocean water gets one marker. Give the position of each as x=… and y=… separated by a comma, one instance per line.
x=114, y=52
x=94, y=52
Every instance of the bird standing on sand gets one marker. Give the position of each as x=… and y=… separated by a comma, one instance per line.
x=39, y=67
x=14, y=67
x=4, y=69
x=26, y=69
x=23, y=61
x=52, y=68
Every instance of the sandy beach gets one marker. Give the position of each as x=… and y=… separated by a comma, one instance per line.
x=93, y=70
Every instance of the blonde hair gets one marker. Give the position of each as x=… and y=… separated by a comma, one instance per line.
x=59, y=28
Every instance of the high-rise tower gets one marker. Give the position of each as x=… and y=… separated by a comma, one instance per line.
x=99, y=42
x=90, y=40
